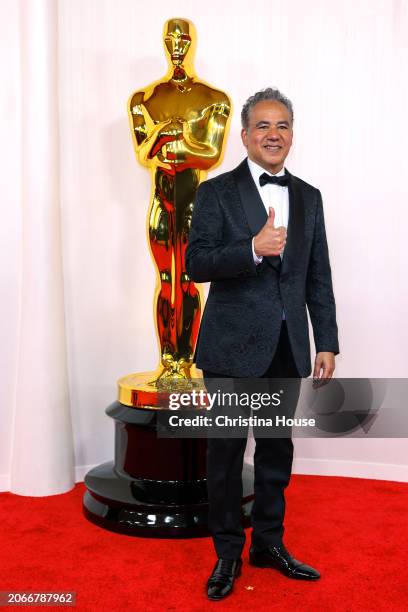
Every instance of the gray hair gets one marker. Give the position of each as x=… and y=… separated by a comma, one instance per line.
x=265, y=94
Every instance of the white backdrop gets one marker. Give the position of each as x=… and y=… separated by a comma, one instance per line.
x=343, y=64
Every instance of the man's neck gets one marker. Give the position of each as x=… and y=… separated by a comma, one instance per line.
x=261, y=169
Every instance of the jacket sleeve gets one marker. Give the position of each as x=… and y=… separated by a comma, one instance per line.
x=208, y=256
x=319, y=289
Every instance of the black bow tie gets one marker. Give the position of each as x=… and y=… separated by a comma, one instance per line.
x=274, y=180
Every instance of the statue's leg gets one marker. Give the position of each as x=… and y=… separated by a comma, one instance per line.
x=178, y=300
x=187, y=302
x=161, y=243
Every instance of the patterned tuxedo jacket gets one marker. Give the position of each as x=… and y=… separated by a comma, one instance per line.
x=242, y=318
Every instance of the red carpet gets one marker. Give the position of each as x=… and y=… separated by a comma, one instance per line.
x=354, y=531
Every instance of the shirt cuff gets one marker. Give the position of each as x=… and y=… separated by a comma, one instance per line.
x=257, y=259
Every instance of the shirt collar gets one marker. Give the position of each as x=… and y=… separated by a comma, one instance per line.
x=256, y=171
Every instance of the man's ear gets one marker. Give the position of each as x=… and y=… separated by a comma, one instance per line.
x=244, y=137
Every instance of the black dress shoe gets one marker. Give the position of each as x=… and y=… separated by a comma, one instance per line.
x=279, y=558
x=221, y=581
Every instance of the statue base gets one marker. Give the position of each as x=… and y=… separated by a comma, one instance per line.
x=151, y=389
x=156, y=487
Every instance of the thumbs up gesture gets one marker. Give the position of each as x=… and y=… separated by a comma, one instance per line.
x=270, y=240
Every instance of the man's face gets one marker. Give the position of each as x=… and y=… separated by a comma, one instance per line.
x=269, y=135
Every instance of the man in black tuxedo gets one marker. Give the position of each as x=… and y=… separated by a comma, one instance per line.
x=258, y=236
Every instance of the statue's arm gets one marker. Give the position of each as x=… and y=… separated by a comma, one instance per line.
x=144, y=130
x=203, y=137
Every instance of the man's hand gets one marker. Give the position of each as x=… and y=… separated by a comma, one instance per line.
x=323, y=369
x=271, y=240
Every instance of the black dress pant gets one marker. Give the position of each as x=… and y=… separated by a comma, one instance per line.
x=272, y=467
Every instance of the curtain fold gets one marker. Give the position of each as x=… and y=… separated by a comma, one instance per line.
x=42, y=450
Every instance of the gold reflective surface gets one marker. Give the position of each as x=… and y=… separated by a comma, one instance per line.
x=178, y=126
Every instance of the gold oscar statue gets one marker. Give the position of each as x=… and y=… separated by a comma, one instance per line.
x=178, y=127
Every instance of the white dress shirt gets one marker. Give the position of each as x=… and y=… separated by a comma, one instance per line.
x=276, y=196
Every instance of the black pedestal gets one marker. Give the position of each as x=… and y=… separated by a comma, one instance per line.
x=156, y=487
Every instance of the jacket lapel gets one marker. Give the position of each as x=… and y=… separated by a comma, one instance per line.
x=253, y=206
x=296, y=226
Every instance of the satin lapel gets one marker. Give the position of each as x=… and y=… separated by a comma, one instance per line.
x=253, y=206
x=296, y=227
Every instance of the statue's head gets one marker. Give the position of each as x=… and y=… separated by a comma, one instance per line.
x=179, y=37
